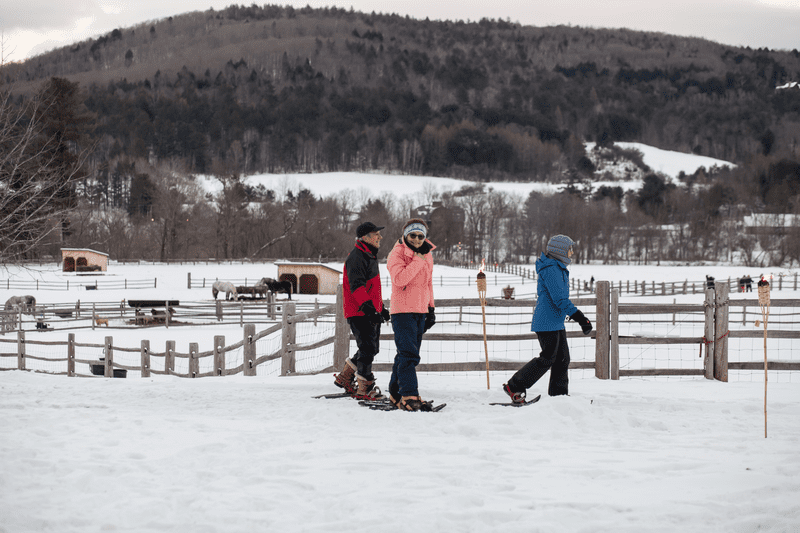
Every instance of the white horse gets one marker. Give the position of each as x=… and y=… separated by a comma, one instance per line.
x=14, y=305
x=224, y=286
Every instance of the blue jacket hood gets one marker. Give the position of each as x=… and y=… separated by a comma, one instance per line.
x=545, y=261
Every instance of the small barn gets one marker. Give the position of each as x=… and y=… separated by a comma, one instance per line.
x=309, y=278
x=83, y=260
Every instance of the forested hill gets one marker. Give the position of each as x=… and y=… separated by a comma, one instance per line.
x=253, y=89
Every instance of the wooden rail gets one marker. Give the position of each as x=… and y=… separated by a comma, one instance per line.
x=715, y=313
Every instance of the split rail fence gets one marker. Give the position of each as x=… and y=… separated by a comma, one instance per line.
x=68, y=316
x=319, y=341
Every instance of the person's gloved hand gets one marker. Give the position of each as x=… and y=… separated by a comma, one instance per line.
x=579, y=317
x=385, y=315
x=430, y=319
x=368, y=308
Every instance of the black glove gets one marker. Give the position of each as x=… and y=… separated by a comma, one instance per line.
x=430, y=319
x=385, y=315
x=368, y=308
x=578, y=317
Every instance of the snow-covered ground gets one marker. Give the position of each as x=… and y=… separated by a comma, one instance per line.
x=259, y=454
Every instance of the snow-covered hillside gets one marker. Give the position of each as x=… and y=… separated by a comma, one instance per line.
x=421, y=188
x=664, y=162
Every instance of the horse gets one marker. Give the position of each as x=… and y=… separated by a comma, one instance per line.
x=26, y=304
x=278, y=286
x=15, y=304
x=261, y=288
x=224, y=286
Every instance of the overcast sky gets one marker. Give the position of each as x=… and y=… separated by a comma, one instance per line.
x=31, y=27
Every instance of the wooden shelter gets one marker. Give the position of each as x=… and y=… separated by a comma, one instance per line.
x=83, y=260
x=309, y=278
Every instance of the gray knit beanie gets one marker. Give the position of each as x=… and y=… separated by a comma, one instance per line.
x=558, y=246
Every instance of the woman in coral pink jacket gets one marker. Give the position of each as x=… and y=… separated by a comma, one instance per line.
x=410, y=266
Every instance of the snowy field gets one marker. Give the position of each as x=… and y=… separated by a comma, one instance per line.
x=259, y=454
x=420, y=188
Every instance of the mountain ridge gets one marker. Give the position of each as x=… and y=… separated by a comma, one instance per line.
x=264, y=89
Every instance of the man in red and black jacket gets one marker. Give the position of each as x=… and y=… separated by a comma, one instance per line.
x=363, y=308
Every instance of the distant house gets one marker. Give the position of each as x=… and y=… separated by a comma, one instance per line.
x=772, y=224
x=83, y=260
x=309, y=278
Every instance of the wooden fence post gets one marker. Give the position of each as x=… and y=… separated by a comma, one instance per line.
x=708, y=360
x=21, y=350
x=145, y=358
x=219, y=311
x=288, y=339
x=249, y=349
x=189, y=280
x=71, y=354
x=601, y=346
x=194, y=362
x=109, y=357
x=721, y=332
x=613, y=330
x=341, y=343
x=271, y=304
x=674, y=302
x=169, y=357
x=94, y=314
x=219, y=355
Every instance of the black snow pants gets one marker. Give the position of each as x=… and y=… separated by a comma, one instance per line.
x=367, y=337
x=554, y=357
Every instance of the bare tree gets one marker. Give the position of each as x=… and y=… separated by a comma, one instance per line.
x=475, y=206
x=40, y=165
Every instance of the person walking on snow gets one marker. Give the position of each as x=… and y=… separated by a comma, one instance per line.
x=363, y=308
x=552, y=305
x=410, y=266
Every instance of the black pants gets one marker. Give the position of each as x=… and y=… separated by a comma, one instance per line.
x=367, y=337
x=554, y=357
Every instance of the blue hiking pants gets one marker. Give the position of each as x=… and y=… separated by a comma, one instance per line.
x=408, y=330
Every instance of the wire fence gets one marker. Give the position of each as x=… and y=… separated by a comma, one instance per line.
x=631, y=341
x=136, y=314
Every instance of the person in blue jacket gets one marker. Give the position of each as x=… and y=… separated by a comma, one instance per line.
x=552, y=306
